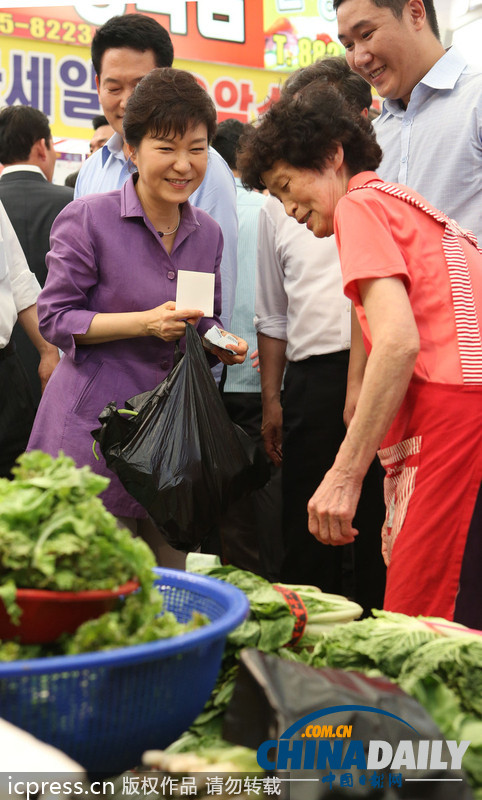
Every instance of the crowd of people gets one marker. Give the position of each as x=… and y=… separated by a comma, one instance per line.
x=346, y=262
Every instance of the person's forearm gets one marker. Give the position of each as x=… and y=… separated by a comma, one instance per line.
x=332, y=507
x=111, y=327
x=356, y=368
x=29, y=321
x=387, y=376
x=164, y=321
x=272, y=362
x=49, y=354
x=389, y=368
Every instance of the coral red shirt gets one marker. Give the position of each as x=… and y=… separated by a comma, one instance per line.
x=381, y=236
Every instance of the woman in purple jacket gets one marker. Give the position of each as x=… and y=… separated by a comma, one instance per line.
x=108, y=302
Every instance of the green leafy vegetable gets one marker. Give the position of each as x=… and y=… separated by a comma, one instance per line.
x=55, y=533
x=269, y=627
x=134, y=623
x=271, y=622
x=221, y=755
x=438, y=664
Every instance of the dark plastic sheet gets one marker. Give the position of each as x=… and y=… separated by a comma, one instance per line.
x=272, y=694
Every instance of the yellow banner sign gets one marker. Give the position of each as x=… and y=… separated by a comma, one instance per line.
x=60, y=81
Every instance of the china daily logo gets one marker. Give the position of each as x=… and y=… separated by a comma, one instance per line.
x=321, y=745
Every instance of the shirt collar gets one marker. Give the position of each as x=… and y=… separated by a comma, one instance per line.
x=131, y=206
x=130, y=203
x=443, y=75
x=361, y=178
x=113, y=147
x=446, y=71
x=23, y=168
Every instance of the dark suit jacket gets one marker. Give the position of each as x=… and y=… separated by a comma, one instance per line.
x=32, y=203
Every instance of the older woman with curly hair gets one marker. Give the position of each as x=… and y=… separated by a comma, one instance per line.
x=415, y=278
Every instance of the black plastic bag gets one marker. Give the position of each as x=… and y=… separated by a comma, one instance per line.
x=271, y=695
x=180, y=456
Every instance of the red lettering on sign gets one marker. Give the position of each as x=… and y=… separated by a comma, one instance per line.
x=225, y=93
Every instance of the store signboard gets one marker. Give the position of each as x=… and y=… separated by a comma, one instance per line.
x=237, y=92
x=240, y=52
x=201, y=30
x=274, y=34
x=56, y=79
x=60, y=81
x=298, y=32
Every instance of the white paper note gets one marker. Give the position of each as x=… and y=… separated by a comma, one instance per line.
x=195, y=290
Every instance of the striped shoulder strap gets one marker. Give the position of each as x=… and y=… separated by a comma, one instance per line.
x=465, y=310
x=397, y=191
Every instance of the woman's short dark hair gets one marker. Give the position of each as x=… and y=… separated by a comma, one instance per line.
x=167, y=101
x=305, y=131
x=335, y=71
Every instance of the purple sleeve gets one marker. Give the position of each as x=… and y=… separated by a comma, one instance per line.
x=63, y=305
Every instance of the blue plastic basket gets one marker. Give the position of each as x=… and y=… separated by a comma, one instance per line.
x=106, y=709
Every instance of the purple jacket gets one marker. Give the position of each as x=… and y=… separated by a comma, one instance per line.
x=106, y=256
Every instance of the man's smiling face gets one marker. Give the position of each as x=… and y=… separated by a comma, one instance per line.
x=122, y=69
x=381, y=47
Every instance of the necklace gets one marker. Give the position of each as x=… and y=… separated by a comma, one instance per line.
x=169, y=233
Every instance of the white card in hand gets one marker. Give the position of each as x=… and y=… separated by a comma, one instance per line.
x=195, y=290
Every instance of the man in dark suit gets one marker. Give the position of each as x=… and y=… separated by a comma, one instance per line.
x=31, y=201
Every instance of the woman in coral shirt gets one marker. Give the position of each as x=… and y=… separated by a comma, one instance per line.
x=415, y=279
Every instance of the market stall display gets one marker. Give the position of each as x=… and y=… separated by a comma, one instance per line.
x=116, y=685
x=113, y=694
x=436, y=662
x=104, y=709
x=281, y=618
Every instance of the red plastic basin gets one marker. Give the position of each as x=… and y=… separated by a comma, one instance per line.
x=46, y=615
